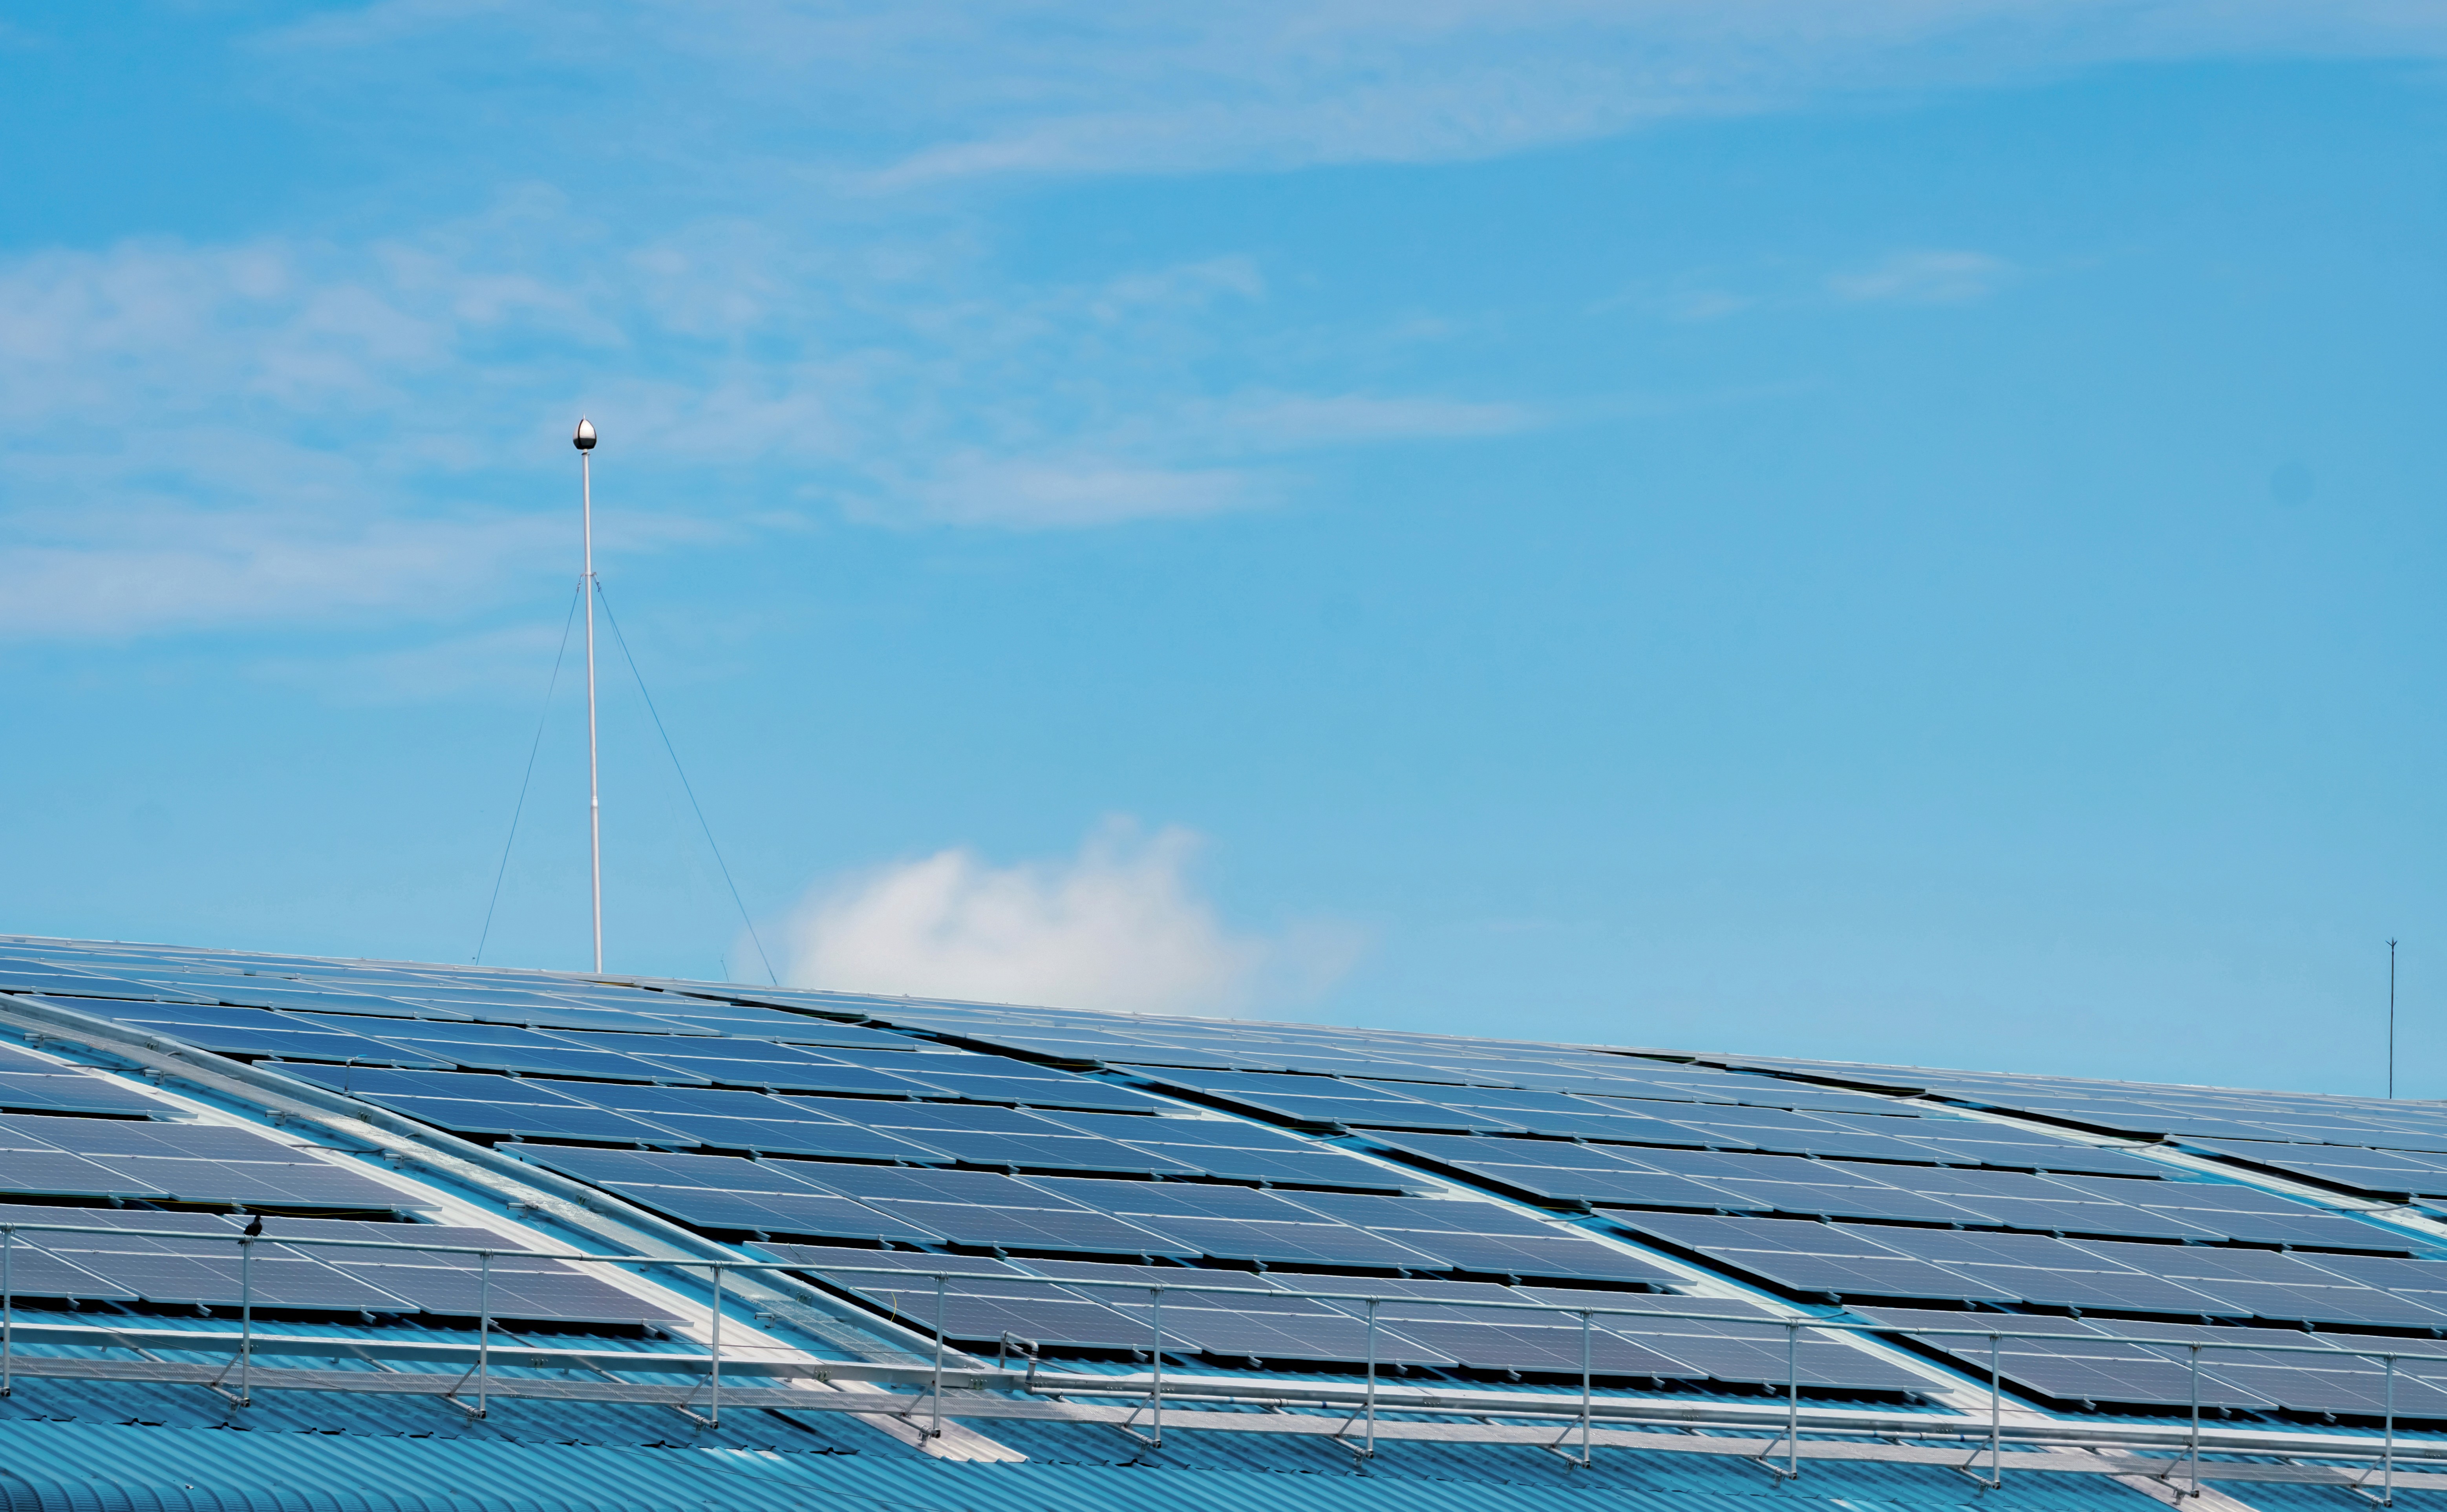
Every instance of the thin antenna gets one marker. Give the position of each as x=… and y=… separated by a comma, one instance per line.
x=584, y=442
x=2391, y=1017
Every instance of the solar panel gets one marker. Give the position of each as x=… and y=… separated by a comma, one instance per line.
x=259, y=1184
x=1291, y=1243
x=727, y=1172
x=359, y=1080
x=1033, y=1228
x=52, y=1173
x=979, y=1188
x=80, y=983
x=801, y=1212
x=1617, y=1186
x=1424, y=1214
x=571, y=1121
x=1509, y=1255
x=918, y=1119
x=791, y=1137
x=37, y=1091
x=1033, y=1092
x=1839, y=1201
x=1175, y=1199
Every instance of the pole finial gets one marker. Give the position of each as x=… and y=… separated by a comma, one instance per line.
x=585, y=440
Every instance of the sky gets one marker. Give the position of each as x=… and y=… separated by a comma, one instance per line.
x=1858, y=528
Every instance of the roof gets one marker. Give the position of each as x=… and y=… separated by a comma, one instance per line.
x=289, y=1231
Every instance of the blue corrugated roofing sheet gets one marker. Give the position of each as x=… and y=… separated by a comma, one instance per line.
x=109, y=1468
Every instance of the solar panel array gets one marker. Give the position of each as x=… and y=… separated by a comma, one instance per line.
x=879, y=1121
x=1081, y=1215
x=187, y=1162
x=1418, y=1322
x=2385, y=1148
x=207, y=1269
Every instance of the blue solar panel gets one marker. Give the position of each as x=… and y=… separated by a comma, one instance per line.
x=571, y=1121
x=791, y=1137
x=1182, y=1198
x=1292, y=1243
x=1424, y=1215
x=72, y=1094
x=729, y=1172
x=1031, y=1228
x=927, y=1185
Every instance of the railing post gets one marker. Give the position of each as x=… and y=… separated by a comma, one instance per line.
x=2197, y=1420
x=713, y=1412
x=937, y=1431
x=1792, y=1401
x=1584, y=1389
x=2387, y=1449
x=245, y=1322
x=1157, y=1436
x=1995, y=1414
x=483, y=1328
x=7, y=1311
x=1371, y=1378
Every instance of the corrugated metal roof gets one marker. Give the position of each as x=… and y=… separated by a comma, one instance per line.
x=108, y=1469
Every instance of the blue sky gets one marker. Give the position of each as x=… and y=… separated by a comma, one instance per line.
x=1853, y=529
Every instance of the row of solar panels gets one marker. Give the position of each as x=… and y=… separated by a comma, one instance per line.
x=2209, y=1281
x=851, y=1129
x=2081, y=1364
x=29, y=1084
x=208, y=1272
x=2146, y=1207
x=1418, y=1322
x=580, y=1005
x=42, y=1155
x=2162, y=1111
x=1094, y=1215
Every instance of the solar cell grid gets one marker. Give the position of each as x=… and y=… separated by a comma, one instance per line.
x=654, y=1168
x=1513, y=1255
x=1038, y=1228
x=801, y=1212
x=1424, y=1214
x=1842, y=1201
x=575, y=1120
x=366, y=1080
x=820, y=1138
x=1308, y=1167
x=1179, y=1199
x=73, y=1092
x=828, y=1256
x=981, y=1187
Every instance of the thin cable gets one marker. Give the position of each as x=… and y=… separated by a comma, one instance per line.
x=685, y=786
x=502, y=870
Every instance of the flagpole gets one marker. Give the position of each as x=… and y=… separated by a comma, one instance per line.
x=584, y=442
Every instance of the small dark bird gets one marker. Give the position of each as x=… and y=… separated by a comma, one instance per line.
x=255, y=1226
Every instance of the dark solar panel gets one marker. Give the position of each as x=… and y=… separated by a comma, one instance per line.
x=54, y=1173
x=260, y=1183
x=539, y=1120
x=1512, y=1346
x=79, y=983
x=1177, y=1199
x=828, y=1256
x=361, y=1081
x=96, y=1135
x=1426, y=1214
x=916, y=1118
x=926, y=1185
x=37, y=1091
x=1073, y=1092
x=1845, y=1200
x=704, y=1101
x=1511, y=1255
x=729, y=1172
x=1034, y=1228
x=558, y=1293
x=791, y=1137
x=801, y=1212
x=1291, y=1243
x=1618, y=1186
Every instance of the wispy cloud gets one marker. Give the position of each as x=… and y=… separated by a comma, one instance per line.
x=1924, y=278
x=1120, y=925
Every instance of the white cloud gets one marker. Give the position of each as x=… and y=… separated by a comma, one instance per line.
x=1927, y=277
x=1119, y=926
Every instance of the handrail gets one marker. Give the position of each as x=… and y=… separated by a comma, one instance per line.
x=942, y=1280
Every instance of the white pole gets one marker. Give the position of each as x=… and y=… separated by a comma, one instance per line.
x=585, y=443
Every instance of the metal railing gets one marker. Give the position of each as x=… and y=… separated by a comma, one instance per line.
x=1789, y=1442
